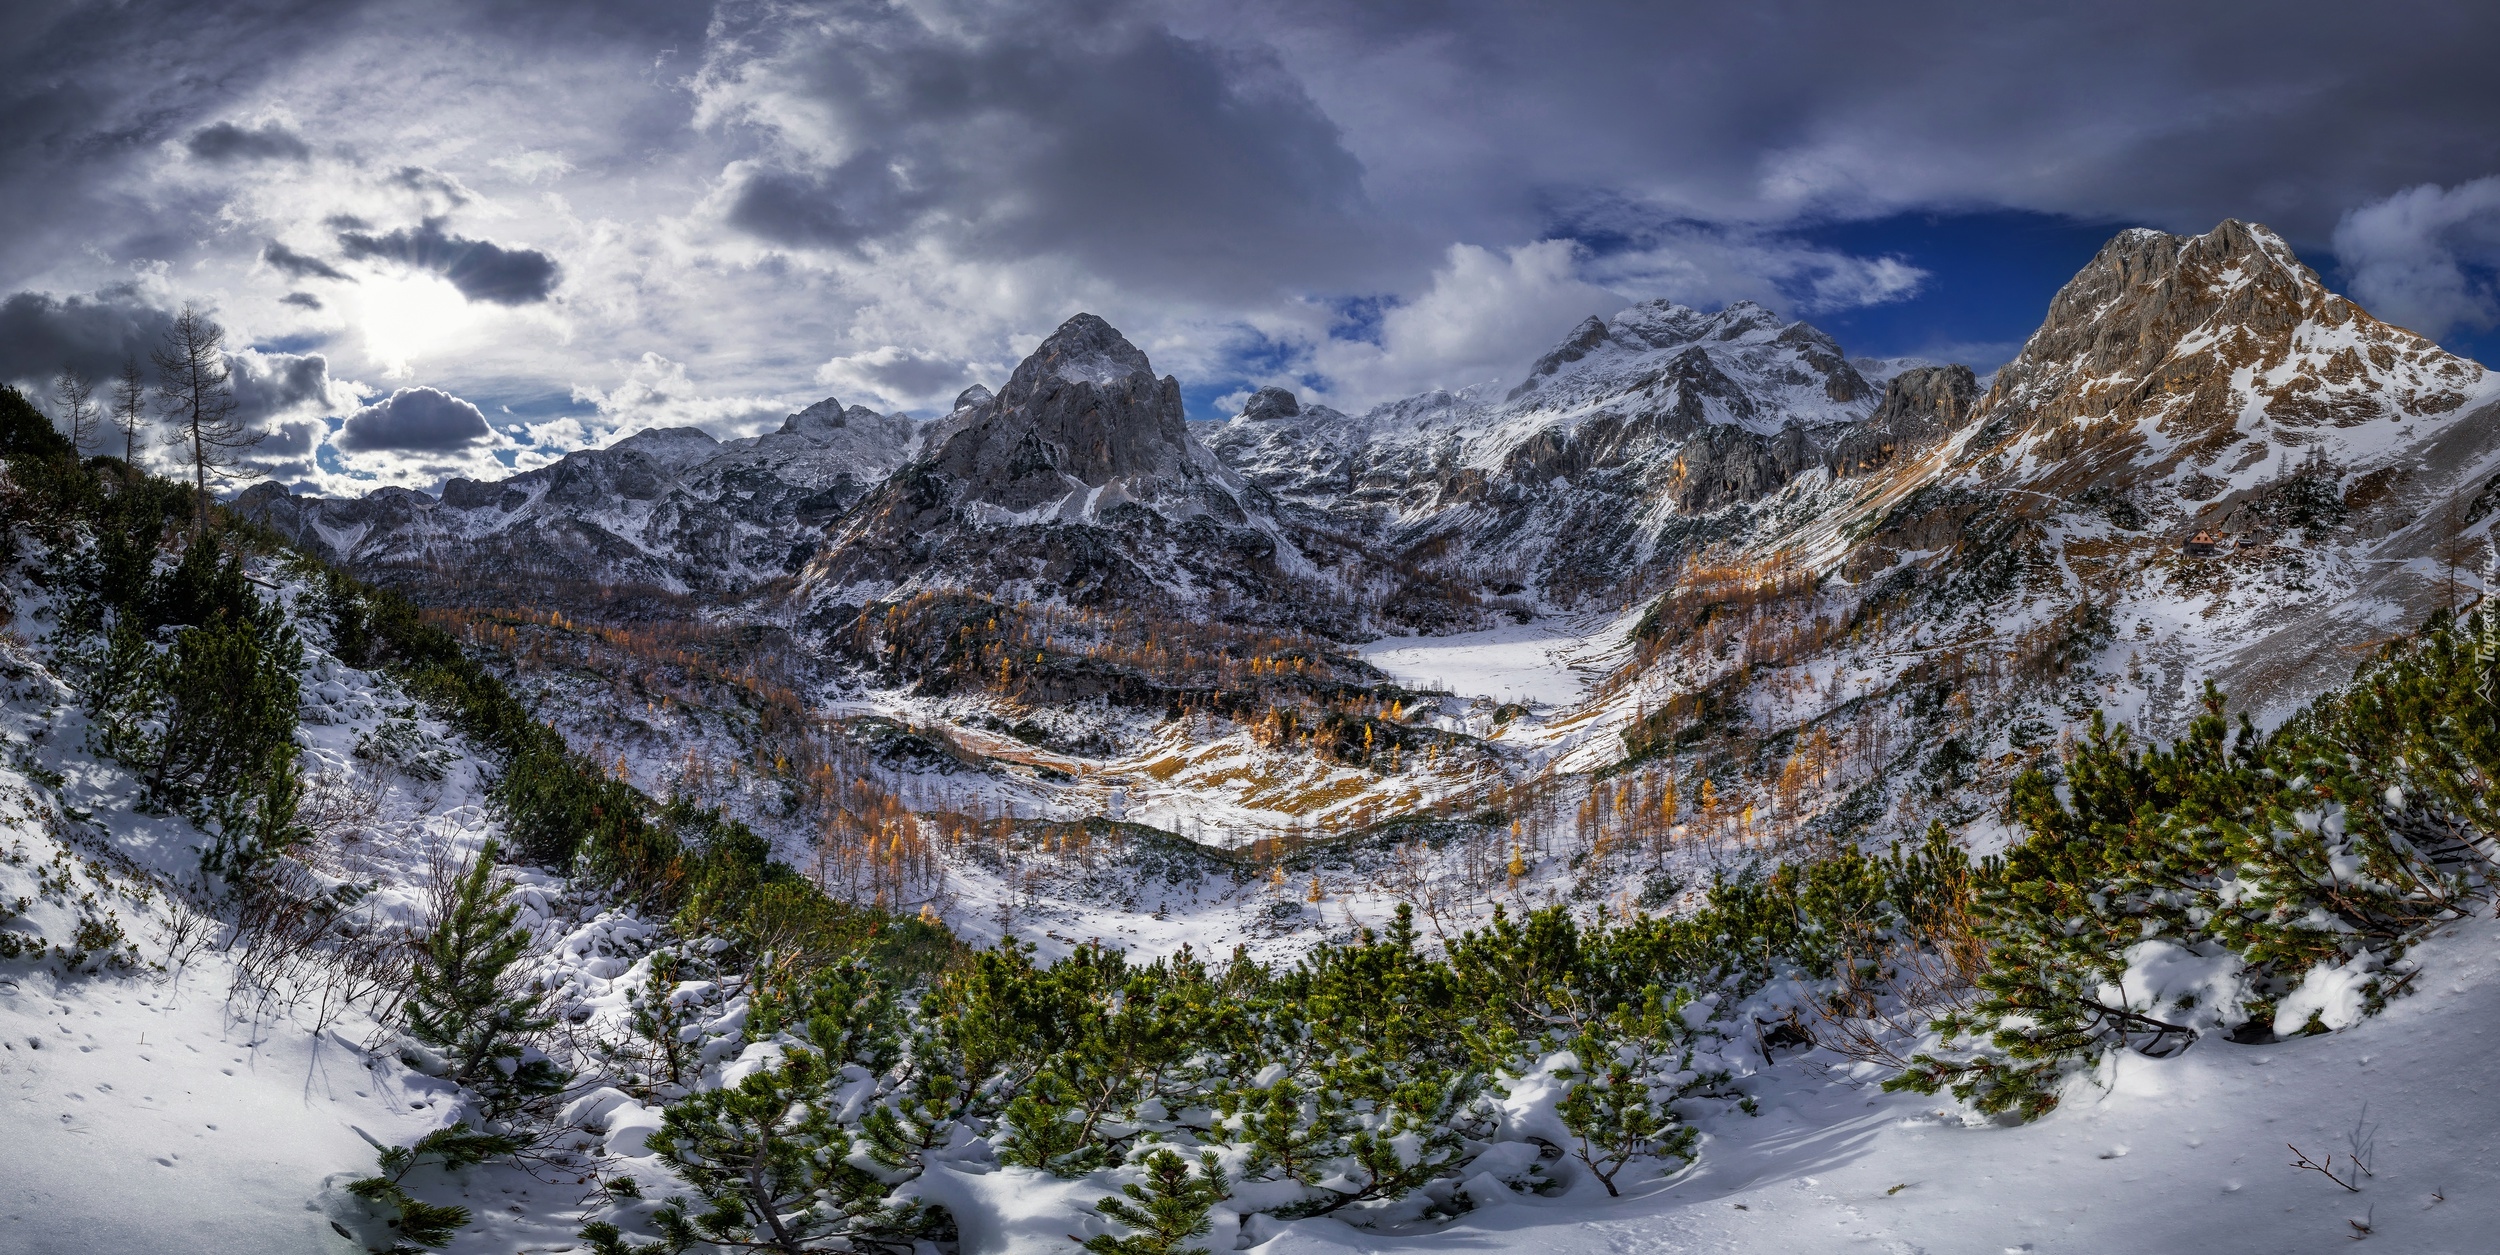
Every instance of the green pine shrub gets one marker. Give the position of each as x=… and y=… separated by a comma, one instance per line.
x=467, y=1001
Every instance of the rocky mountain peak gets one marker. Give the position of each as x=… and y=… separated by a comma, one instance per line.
x=673, y=447
x=2204, y=339
x=824, y=414
x=1267, y=403
x=1587, y=336
x=1082, y=412
x=1084, y=349
x=1742, y=364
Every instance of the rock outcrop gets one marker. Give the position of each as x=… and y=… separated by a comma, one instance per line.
x=1921, y=406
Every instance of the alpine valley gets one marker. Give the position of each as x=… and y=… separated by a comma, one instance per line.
x=1707, y=792
x=1852, y=595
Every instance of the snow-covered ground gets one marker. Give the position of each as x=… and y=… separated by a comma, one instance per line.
x=1549, y=662
x=157, y=1101
x=137, y=1110
x=2185, y=1154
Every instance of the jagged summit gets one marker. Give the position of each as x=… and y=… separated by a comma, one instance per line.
x=1079, y=480
x=1269, y=403
x=2206, y=338
x=2185, y=372
x=1641, y=345
x=667, y=507
x=1083, y=413
x=672, y=447
x=1084, y=349
x=2193, y=387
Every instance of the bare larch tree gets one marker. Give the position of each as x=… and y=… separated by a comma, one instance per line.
x=196, y=392
x=130, y=410
x=78, y=408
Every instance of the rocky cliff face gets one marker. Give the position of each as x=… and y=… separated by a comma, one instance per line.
x=1921, y=406
x=2182, y=385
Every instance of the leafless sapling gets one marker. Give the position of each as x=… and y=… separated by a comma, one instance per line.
x=195, y=390
x=79, y=411
x=130, y=410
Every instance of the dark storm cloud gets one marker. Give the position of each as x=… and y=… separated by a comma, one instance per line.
x=88, y=89
x=483, y=271
x=93, y=335
x=298, y=264
x=42, y=335
x=224, y=141
x=304, y=300
x=1086, y=130
x=286, y=452
x=414, y=420
x=2137, y=109
x=274, y=383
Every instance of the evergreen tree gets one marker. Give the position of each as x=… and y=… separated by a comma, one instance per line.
x=1169, y=1209
x=230, y=694
x=771, y=1166
x=466, y=1000
x=419, y=1224
x=2333, y=844
x=1619, y=1105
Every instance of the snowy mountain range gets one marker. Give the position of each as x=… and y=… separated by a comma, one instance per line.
x=672, y=509
x=1721, y=481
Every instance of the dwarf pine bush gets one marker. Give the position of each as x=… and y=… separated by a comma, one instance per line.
x=2322, y=853
x=465, y=999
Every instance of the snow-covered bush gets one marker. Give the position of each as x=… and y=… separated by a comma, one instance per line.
x=470, y=1017
x=2260, y=886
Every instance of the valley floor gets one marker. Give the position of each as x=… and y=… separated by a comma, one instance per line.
x=1549, y=662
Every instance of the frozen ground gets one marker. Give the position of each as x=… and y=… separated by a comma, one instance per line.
x=1550, y=662
x=136, y=1111
x=2178, y=1155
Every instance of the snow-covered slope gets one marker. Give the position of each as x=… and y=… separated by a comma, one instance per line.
x=668, y=508
x=171, y=1080
x=2192, y=1153
x=165, y=1095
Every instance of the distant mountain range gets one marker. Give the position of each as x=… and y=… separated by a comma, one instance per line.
x=1809, y=532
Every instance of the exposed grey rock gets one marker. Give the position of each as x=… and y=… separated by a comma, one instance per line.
x=1605, y=460
x=1083, y=412
x=1588, y=335
x=1921, y=406
x=1078, y=481
x=1267, y=403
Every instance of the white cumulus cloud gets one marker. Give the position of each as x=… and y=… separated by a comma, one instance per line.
x=2412, y=258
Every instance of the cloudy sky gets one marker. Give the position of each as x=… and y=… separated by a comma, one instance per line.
x=457, y=236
